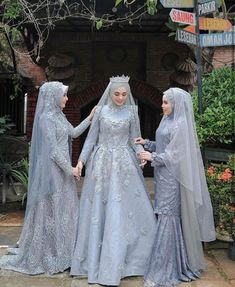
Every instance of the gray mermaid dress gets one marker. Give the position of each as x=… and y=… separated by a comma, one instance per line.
x=168, y=264
x=117, y=224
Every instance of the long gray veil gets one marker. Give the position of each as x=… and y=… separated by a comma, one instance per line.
x=40, y=169
x=184, y=160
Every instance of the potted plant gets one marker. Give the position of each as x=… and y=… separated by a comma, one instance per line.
x=6, y=124
x=21, y=174
x=12, y=150
x=220, y=179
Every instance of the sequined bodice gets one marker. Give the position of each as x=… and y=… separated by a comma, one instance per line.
x=114, y=126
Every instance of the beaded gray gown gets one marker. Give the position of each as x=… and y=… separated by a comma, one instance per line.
x=168, y=264
x=117, y=224
x=48, y=236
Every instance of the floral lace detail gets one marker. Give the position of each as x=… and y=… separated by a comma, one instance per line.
x=50, y=226
x=149, y=283
x=107, y=159
x=169, y=201
x=111, y=154
x=48, y=236
x=58, y=130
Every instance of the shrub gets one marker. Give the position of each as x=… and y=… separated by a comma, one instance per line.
x=220, y=179
x=215, y=126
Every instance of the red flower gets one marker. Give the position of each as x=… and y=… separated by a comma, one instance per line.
x=226, y=175
x=211, y=170
x=227, y=170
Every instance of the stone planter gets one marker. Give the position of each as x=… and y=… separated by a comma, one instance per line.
x=216, y=154
x=13, y=193
x=231, y=251
x=223, y=235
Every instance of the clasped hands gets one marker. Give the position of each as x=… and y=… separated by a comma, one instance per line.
x=77, y=171
x=143, y=155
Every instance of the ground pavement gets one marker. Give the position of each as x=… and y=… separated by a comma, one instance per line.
x=220, y=271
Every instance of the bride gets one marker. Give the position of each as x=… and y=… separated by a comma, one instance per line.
x=116, y=223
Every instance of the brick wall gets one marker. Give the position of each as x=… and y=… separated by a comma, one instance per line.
x=93, y=69
x=223, y=56
x=28, y=69
x=143, y=60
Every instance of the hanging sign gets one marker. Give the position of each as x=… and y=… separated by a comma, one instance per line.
x=186, y=37
x=177, y=3
x=207, y=7
x=210, y=24
x=204, y=7
x=214, y=24
x=183, y=17
x=190, y=29
x=217, y=39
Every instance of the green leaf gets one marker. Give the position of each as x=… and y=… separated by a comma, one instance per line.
x=99, y=24
x=151, y=7
x=117, y=2
x=13, y=10
x=171, y=34
x=172, y=25
x=150, y=10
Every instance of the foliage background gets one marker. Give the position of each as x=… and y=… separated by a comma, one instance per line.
x=215, y=126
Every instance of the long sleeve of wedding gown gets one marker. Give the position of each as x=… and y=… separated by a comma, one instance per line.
x=90, y=142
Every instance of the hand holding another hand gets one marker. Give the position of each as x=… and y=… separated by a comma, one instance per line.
x=76, y=173
x=139, y=140
x=145, y=155
x=142, y=163
x=80, y=167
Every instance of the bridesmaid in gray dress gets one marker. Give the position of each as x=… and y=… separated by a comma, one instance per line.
x=116, y=223
x=182, y=202
x=48, y=236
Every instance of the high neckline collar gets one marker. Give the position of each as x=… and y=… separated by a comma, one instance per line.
x=116, y=108
x=170, y=117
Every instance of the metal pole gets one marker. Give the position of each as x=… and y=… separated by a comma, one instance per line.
x=198, y=58
x=199, y=71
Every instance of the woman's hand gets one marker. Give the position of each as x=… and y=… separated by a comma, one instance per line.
x=139, y=141
x=92, y=113
x=80, y=167
x=142, y=163
x=76, y=173
x=145, y=155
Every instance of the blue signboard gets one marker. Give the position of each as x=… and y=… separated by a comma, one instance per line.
x=217, y=39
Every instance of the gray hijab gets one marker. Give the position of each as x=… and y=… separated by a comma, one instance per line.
x=106, y=99
x=185, y=163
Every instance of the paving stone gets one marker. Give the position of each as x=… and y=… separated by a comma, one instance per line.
x=12, y=218
x=211, y=272
x=227, y=265
x=211, y=283
x=30, y=281
x=9, y=235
